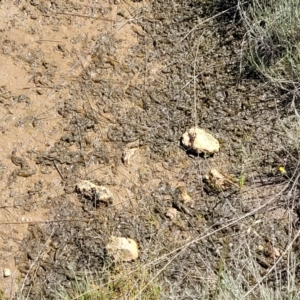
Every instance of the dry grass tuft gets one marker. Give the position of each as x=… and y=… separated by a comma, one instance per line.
x=118, y=283
x=273, y=40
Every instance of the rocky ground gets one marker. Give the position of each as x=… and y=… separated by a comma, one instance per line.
x=86, y=83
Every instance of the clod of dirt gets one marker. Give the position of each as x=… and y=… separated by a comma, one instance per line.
x=94, y=192
x=197, y=140
x=122, y=249
x=183, y=196
x=6, y=272
x=217, y=180
x=172, y=213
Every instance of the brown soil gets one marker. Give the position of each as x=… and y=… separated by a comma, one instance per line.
x=45, y=46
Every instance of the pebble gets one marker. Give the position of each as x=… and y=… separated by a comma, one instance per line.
x=6, y=272
x=197, y=140
x=93, y=191
x=122, y=249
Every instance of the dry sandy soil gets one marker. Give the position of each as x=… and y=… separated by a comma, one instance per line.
x=45, y=47
x=84, y=81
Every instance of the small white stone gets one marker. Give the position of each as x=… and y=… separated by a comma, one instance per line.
x=199, y=141
x=6, y=272
x=122, y=249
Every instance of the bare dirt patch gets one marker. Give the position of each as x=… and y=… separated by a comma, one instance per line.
x=45, y=47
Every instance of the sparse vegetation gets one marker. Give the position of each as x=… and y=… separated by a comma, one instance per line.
x=273, y=40
x=112, y=284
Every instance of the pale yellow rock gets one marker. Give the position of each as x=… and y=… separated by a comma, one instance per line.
x=6, y=272
x=122, y=249
x=218, y=180
x=183, y=196
x=93, y=191
x=276, y=252
x=199, y=141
